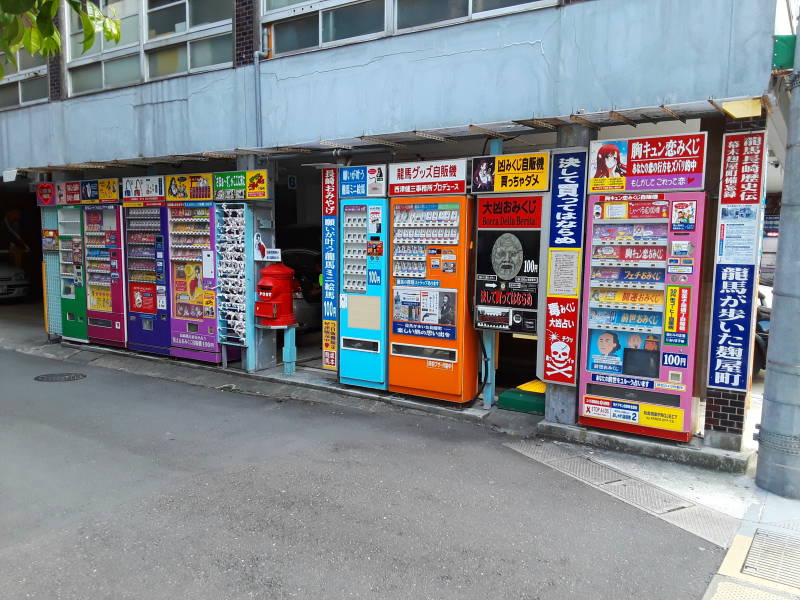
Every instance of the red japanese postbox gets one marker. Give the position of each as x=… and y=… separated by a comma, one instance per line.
x=274, y=296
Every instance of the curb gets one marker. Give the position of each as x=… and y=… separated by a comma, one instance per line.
x=696, y=456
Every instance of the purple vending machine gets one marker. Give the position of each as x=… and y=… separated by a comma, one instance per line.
x=193, y=281
x=147, y=264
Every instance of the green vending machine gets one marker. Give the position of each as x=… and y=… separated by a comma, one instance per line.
x=73, y=284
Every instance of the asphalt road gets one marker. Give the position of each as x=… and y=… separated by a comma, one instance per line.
x=122, y=487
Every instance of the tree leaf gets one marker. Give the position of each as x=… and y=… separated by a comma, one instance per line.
x=17, y=7
x=88, y=31
x=44, y=22
x=111, y=29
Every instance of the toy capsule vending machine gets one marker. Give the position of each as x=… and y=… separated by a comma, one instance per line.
x=147, y=260
x=71, y=261
x=433, y=346
x=192, y=268
x=105, y=286
x=641, y=289
x=364, y=282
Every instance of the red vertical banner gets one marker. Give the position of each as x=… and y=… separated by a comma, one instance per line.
x=742, y=164
x=330, y=299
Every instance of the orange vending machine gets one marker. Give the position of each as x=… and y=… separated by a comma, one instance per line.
x=432, y=344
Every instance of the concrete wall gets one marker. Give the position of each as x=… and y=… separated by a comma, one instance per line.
x=590, y=55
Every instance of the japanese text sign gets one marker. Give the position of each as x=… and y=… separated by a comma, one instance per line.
x=143, y=191
x=742, y=168
x=329, y=198
x=511, y=173
x=435, y=177
x=188, y=187
x=558, y=355
x=731, y=322
x=240, y=185
x=362, y=182
x=516, y=212
x=68, y=192
x=663, y=163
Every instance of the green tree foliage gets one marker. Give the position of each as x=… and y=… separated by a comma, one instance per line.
x=29, y=24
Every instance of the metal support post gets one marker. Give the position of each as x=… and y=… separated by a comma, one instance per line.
x=489, y=338
x=779, y=439
x=289, y=350
x=561, y=401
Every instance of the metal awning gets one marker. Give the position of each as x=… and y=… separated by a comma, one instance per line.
x=522, y=131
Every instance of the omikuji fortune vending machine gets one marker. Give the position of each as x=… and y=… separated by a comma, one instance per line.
x=147, y=262
x=433, y=346
x=73, y=294
x=364, y=286
x=193, y=281
x=105, y=287
x=641, y=291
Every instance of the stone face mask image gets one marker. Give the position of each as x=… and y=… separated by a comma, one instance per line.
x=507, y=256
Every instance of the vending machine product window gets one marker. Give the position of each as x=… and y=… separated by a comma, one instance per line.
x=433, y=343
x=147, y=260
x=105, y=289
x=640, y=313
x=71, y=261
x=193, y=281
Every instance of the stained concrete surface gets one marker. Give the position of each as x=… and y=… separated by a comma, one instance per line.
x=120, y=486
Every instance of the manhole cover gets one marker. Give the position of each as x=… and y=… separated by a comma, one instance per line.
x=774, y=556
x=60, y=377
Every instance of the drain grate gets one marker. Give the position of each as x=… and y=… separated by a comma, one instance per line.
x=56, y=377
x=775, y=557
x=645, y=496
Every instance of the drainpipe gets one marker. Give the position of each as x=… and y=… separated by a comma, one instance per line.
x=258, y=55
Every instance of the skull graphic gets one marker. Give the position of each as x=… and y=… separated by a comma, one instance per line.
x=559, y=354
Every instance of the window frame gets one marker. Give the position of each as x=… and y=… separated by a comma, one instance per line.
x=271, y=17
x=144, y=46
x=20, y=77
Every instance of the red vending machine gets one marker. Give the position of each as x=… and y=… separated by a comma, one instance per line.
x=105, y=286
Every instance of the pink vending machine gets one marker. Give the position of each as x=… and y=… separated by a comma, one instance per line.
x=105, y=286
x=639, y=330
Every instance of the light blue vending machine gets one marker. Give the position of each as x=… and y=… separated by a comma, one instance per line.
x=363, y=280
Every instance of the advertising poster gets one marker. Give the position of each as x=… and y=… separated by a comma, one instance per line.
x=188, y=187
x=684, y=215
x=511, y=173
x=558, y=355
x=142, y=298
x=362, y=182
x=49, y=239
x=233, y=186
x=662, y=163
x=46, y=194
x=108, y=190
x=143, y=191
x=507, y=264
x=89, y=192
x=433, y=177
x=625, y=352
x=330, y=294
x=424, y=312
x=738, y=234
x=647, y=415
x=187, y=285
